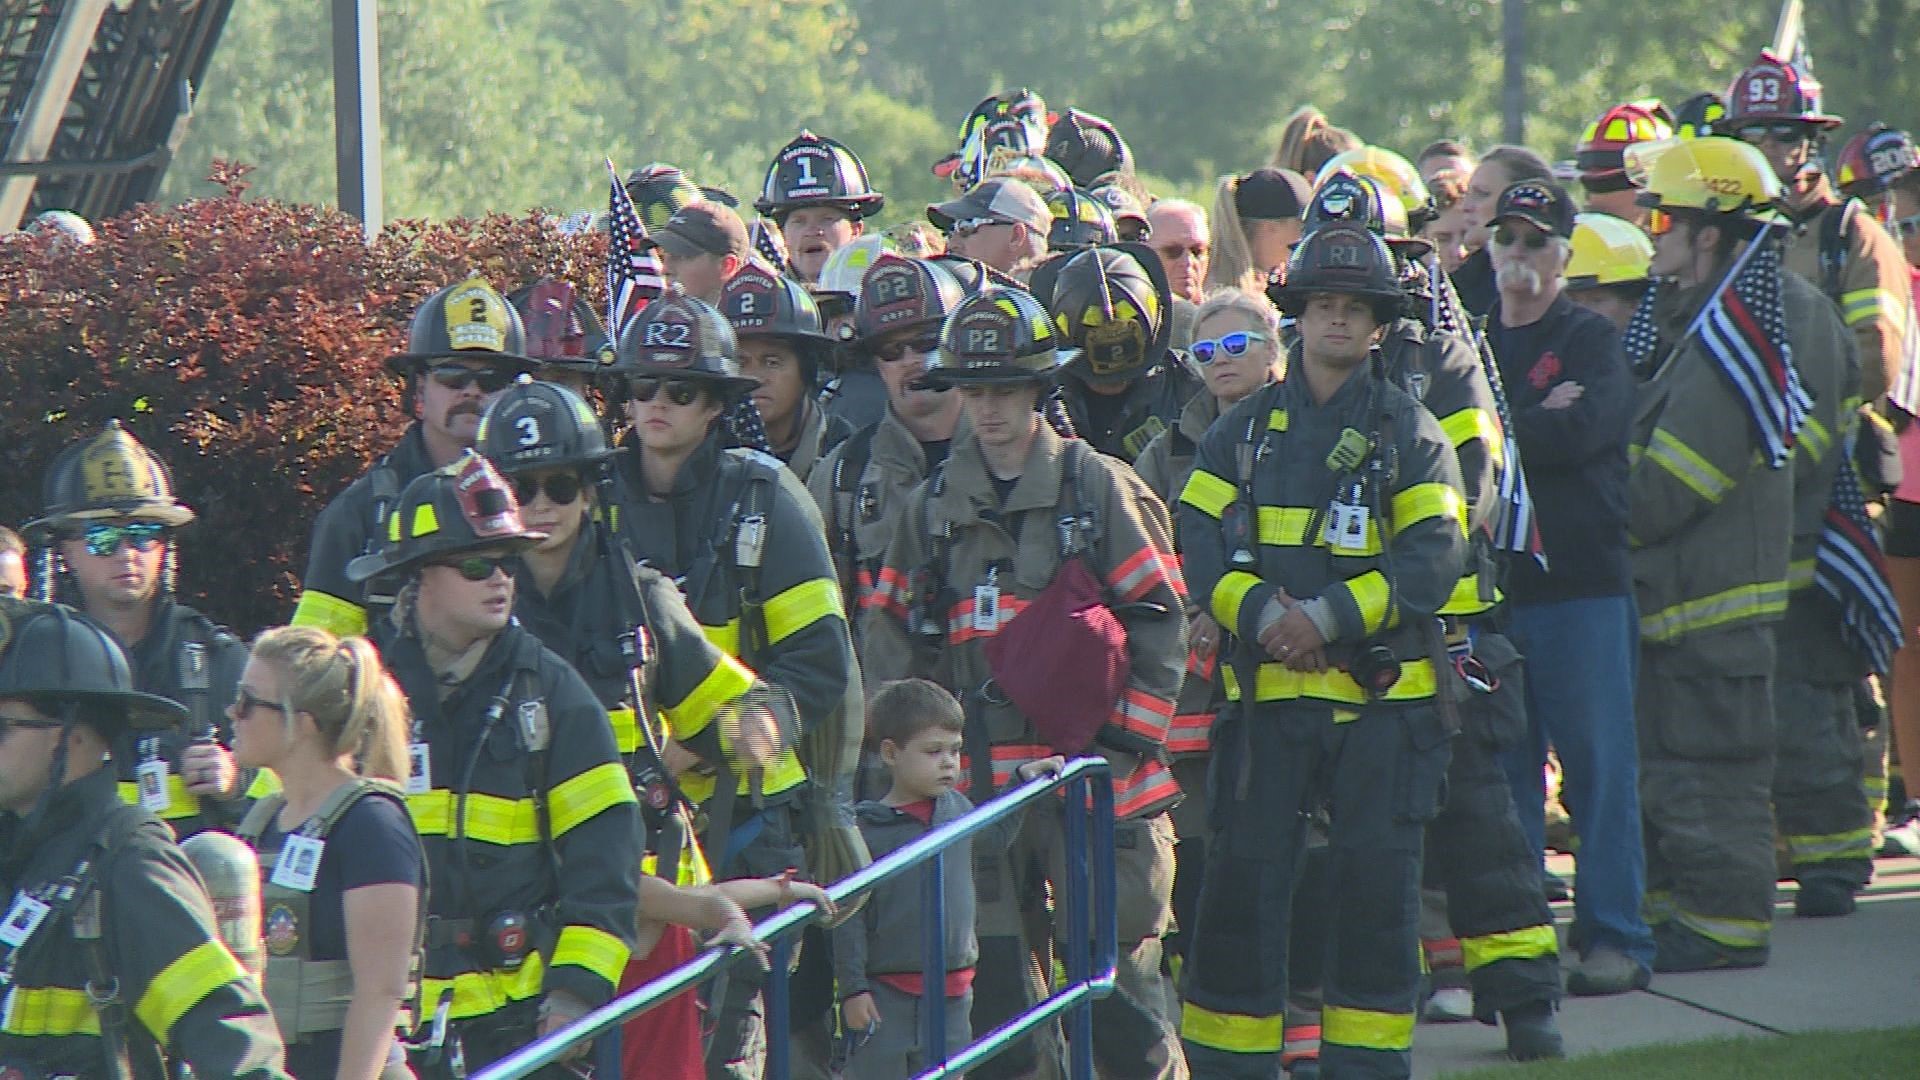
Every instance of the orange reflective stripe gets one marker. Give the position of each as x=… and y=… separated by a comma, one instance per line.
x=960, y=626
x=1148, y=791
x=1190, y=733
x=1143, y=714
x=890, y=591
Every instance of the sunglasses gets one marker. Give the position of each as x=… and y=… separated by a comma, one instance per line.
x=924, y=344
x=455, y=377
x=106, y=539
x=1174, y=251
x=969, y=226
x=643, y=388
x=1789, y=133
x=561, y=488
x=1906, y=226
x=476, y=567
x=1234, y=344
x=10, y=723
x=1506, y=236
x=245, y=701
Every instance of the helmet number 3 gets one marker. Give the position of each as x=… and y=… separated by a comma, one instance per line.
x=529, y=428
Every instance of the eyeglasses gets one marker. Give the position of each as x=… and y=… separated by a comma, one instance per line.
x=475, y=567
x=1507, y=236
x=245, y=701
x=643, y=388
x=1234, y=344
x=1659, y=222
x=968, y=226
x=456, y=377
x=9, y=723
x=1174, y=251
x=924, y=344
x=561, y=488
x=1782, y=132
x=139, y=535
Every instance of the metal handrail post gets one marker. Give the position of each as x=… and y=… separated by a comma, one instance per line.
x=1106, y=913
x=778, y=1065
x=933, y=965
x=1079, y=905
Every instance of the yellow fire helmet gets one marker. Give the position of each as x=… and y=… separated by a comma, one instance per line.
x=1607, y=251
x=1394, y=173
x=1712, y=173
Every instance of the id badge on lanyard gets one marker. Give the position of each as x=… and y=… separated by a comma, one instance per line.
x=150, y=777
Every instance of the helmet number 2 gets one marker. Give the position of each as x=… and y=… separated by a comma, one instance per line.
x=529, y=428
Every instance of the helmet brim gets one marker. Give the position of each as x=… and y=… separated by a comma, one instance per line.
x=139, y=711
x=729, y=385
x=409, y=364
x=1289, y=298
x=171, y=515
x=389, y=560
x=998, y=374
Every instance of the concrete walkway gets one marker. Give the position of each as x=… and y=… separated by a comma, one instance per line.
x=1860, y=971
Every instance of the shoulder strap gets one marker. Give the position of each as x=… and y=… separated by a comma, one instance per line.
x=345, y=796
x=848, y=468
x=119, y=1053
x=1836, y=230
x=259, y=816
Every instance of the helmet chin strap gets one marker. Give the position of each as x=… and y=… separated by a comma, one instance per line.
x=56, y=772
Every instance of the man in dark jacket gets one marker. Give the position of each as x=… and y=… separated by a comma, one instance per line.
x=1572, y=400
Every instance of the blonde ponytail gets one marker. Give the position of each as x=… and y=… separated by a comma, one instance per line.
x=357, y=707
x=1231, y=249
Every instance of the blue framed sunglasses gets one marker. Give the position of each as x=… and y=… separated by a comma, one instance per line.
x=140, y=535
x=1234, y=344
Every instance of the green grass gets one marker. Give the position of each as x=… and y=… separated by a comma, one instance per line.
x=1887, y=1054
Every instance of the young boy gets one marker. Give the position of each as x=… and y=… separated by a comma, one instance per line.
x=877, y=954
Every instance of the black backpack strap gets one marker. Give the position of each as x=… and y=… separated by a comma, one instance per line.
x=855, y=453
x=121, y=1054
x=1836, y=231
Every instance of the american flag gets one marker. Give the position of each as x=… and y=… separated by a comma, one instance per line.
x=1904, y=394
x=769, y=244
x=634, y=277
x=1516, y=530
x=1849, y=566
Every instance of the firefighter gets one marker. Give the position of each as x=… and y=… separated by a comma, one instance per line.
x=530, y=825
x=988, y=535
x=108, y=528
x=112, y=954
x=1607, y=271
x=1333, y=610
x=563, y=333
x=784, y=347
x=861, y=487
x=465, y=346
x=1600, y=156
x=1125, y=386
x=818, y=195
x=1710, y=513
x=739, y=535
x=1079, y=221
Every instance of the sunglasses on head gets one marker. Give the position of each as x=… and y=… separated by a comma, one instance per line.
x=456, y=377
x=1234, y=344
x=1507, y=236
x=643, y=388
x=561, y=488
x=245, y=701
x=924, y=344
x=475, y=567
x=1783, y=132
x=139, y=535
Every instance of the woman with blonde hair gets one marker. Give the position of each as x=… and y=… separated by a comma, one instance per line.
x=1255, y=224
x=1308, y=140
x=343, y=874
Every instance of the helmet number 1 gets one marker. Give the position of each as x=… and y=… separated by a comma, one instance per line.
x=529, y=428
x=805, y=161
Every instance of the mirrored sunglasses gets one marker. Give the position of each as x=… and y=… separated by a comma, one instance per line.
x=1234, y=344
x=139, y=535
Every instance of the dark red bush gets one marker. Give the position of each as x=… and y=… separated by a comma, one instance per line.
x=244, y=342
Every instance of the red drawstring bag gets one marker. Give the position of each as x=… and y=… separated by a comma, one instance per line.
x=1063, y=660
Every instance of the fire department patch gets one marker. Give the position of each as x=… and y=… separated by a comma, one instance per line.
x=282, y=930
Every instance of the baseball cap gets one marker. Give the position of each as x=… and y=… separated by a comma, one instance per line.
x=1540, y=203
x=1272, y=195
x=702, y=228
x=1000, y=200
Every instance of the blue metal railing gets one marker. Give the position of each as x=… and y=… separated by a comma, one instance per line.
x=1086, y=903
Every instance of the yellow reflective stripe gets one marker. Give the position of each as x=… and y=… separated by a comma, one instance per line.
x=491, y=819
x=626, y=730
x=728, y=680
x=797, y=608
x=1766, y=599
x=183, y=984
x=1207, y=493
x=342, y=618
x=1465, y=598
x=1286, y=526
x=594, y=949
x=180, y=802
x=1366, y=1028
x=786, y=772
x=1688, y=467
x=1800, y=574
x=1852, y=844
x=49, y=1010
x=1815, y=437
x=1232, y=1032
x=1228, y=594
x=1277, y=420
x=1473, y=423
x=1862, y=304
x=725, y=637
x=1423, y=502
x=265, y=783
x=1277, y=682
x=581, y=797
x=1731, y=932
x=477, y=993
x=1370, y=592
x=1525, y=943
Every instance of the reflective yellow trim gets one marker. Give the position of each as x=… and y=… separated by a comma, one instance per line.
x=49, y=1010
x=341, y=618
x=425, y=521
x=1814, y=438
x=626, y=731
x=1800, y=574
x=1423, y=502
x=1366, y=1028
x=1852, y=844
x=1207, y=493
x=584, y=796
x=1229, y=593
x=477, y=993
x=265, y=783
x=1762, y=601
x=594, y=949
x=1277, y=682
x=1688, y=467
x=725, y=637
x=183, y=984
x=727, y=681
x=491, y=819
x=786, y=772
x=1465, y=598
x=1232, y=1032
x=1277, y=420
x=1733, y=933
x=180, y=802
x=1286, y=526
x=1370, y=593
x=1871, y=303
x=797, y=608
x=1473, y=423
x=1525, y=943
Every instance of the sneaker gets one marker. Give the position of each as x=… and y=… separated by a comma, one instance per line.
x=1678, y=949
x=1532, y=1033
x=1604, y=971
x=1448, y=1005
x=1823, y=898
x=1902, y=837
